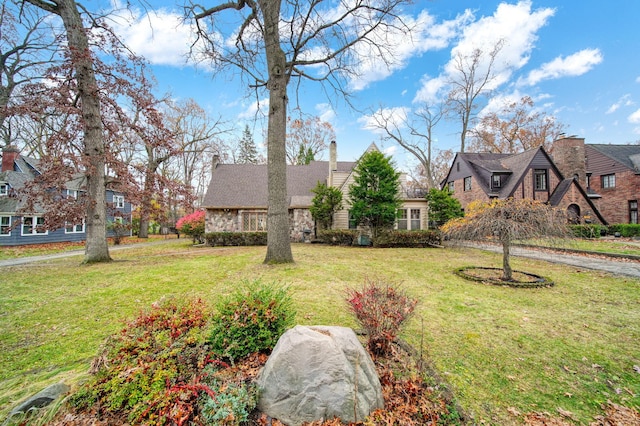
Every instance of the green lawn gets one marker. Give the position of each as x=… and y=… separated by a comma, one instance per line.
x=570, y=347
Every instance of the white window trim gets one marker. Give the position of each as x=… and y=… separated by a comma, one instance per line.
x=8, y=234
x=34, y=227
x=74, y=231
x=4, y=189
x=118, y=201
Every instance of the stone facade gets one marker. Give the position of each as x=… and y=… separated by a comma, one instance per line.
x=229, y=220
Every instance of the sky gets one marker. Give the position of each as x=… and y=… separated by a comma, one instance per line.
x=577, y=59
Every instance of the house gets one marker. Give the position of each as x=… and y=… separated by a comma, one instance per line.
x=17, y=228
x=530, y=174
x=610, y=174
x=236, y=200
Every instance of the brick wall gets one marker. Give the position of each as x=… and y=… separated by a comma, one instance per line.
x=614, y=204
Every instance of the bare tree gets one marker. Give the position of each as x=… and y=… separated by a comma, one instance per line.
x=507, y=220
x=516, y=127
x=472, y=77
x=416, y=135
x=26, y=49
x=277, y=41
x=310, y=135
x=96, y=248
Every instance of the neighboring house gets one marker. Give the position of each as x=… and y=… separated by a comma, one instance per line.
x=530, y=174
x=17, y=228
x=611, y=174
x=236, y=200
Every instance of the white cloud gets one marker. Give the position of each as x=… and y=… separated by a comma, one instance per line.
x=573, y=65
x=325, y=112
x=515, y=25
x=160, y=36
x=623, y=101
x=425, y=35
x=255, y=110
x=390, y=150
x=635, y=117
x=394, y=117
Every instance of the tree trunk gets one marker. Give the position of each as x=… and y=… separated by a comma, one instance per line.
x=507, y=272
x=278, y=242
x=96, y=248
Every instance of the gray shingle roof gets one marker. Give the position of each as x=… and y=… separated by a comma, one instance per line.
x=624, y=154
x=245, y=185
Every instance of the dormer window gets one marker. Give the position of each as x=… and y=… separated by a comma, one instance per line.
x=4, y=189
x=496, y=181
x=118, y=201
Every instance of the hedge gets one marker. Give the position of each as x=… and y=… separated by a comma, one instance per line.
x=236, y=238
x=338, y=237
x=422, y=238
x=588, y=231
x=625, y=229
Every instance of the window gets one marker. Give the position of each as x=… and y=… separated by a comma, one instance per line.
x=4, y=189
x=608, y=181
x=633, y=211
x=33, y=225
x=496, y=181
x=71, y=228
x=415, y=219
x=5, y=225
x=352, y=222
x=254, y=221
x=118, y=201
x=451, y=185
x=540, y=178
x=467, y=183
x=402, y=219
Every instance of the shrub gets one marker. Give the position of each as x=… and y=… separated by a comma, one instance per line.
x=625, y=229
x=192, y=225
x=252, y=319
x=338, y=237
x=381, y=310
x=423, y=238
x=588, y=231
x=149, y=371
x=231, y=404
x=236, y=238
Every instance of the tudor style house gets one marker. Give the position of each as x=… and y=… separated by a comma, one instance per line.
x=18, y=228
x=530, y=174
x=236, y=200
x=610, y=174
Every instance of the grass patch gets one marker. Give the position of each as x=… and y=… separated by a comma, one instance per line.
x=501, y=350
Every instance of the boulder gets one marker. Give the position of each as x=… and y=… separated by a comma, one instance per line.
x=318, y=373
x=41, y=399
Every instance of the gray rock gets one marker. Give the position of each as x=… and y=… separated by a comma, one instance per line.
x=318, y=373
x=41, y=399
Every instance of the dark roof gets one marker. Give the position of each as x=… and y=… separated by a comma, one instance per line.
x=629, y=155
x=245, y=185
x=563, y=188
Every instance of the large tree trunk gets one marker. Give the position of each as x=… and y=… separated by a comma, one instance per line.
x=96, y=248
x=278, y=242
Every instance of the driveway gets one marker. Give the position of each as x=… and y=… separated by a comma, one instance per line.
x=598, y=262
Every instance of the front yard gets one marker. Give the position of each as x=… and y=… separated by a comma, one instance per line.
x=503, y=352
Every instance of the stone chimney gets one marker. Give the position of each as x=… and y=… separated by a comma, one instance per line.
x=9, y=156
x=333, y=161
x=569, y=154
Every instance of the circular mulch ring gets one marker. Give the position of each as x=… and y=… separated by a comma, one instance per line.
x=493, y=276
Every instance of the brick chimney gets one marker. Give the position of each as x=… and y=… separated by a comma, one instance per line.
x=9, y=156
x=569, y=155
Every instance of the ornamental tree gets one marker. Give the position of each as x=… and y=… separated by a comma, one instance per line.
x=375, y=192
x=442, y=206
x=505, y=221
x=325, y=203
x=192, y=225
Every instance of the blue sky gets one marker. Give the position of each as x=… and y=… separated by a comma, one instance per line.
x=577, y=59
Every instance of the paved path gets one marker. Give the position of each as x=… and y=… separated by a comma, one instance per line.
x=31, y=259
x=600, y=263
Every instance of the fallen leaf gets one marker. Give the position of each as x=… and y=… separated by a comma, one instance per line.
x=637, y=368
x=513, y=411
x=565, y=413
